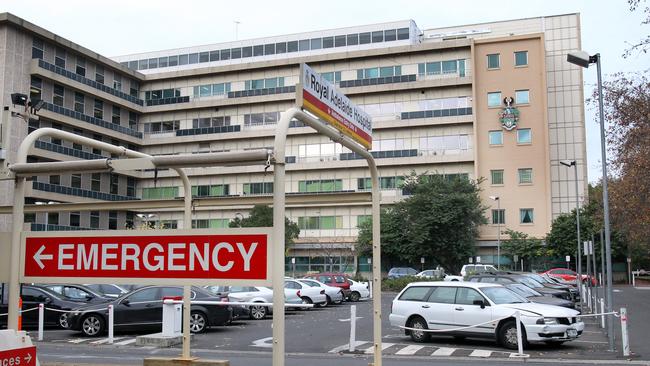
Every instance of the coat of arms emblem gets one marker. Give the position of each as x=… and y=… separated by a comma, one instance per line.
x=509, y=116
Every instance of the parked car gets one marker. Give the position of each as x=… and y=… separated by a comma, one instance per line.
x=504, y=279
x=358, y=290
x=79, y=293
x=292, y=297
x=247, y=294
x=431, y=273
x=308, y=294
x=477, y=269
x=397, y=272
x=569, y=275
x=333, y=295
x=547, y=282
x=447, y=305
x=34, y=295
x=141, y=309
x=108, y=290
x=534, y=296
x=333, y=279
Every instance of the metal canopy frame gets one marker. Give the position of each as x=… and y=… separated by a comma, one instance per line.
x=137, y=160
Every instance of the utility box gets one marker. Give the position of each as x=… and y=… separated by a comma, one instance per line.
x=172, y=316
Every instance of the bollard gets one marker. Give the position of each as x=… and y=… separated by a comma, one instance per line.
x=111, y=319
x=20, y=314
x=353, y=327
x=520, y=342
x=41, y=316
x=602, y=311
x=624, y=335
x=370, y=287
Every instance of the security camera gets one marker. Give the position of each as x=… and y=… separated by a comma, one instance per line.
x=580, y=58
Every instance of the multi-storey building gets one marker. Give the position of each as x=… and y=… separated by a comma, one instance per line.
x=443, y=101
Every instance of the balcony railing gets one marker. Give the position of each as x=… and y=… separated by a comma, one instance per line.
x=382, y=154
x=378, y=81
x=258, y=92
x=437, y=113
x=171, y=100
x=66, y=150
x=55, y=188
x=208, y=130
x=47, y=227
x=92, y=83
x=92, y=120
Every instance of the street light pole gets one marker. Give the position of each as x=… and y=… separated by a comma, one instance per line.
x=583, y=59
x=574, y=164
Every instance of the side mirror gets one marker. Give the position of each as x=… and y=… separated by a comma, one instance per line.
x=480, y=303
x=47, y=300
x=125, y=302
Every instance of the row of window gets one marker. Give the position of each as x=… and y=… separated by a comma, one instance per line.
x=442, y=67
x=524, y=136
x=162, y=93
x=354, y=39
x=494, y=60
x=320, y=222
x=526, y=216
x=521, y=97
x=524, y=176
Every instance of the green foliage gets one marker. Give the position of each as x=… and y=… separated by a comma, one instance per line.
x=262, y=216
x=397, y=284
x=439, y=221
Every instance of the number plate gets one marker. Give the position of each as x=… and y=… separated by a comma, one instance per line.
x=572, y=333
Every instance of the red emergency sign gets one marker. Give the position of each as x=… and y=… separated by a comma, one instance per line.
x=18, y=357
x=186, y=256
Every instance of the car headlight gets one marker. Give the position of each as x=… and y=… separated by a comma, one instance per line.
x=546, y=321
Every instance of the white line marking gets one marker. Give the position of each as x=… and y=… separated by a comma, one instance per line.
x=371, y=349
x=263, y=343
x=480, y=353
x=595, y=342
x=443, y=351
x=346, y=347
x=78, y=340
x=409, y=350
x=125, y=343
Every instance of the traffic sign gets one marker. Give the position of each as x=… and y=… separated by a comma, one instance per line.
x=181, y=257
x=319, y=96
x=18, y=357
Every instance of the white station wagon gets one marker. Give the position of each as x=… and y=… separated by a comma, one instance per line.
x=451, y=305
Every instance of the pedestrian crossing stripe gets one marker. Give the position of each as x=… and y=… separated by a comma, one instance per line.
x=399, y=349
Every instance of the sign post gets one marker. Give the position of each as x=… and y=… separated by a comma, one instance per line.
x=568, y=260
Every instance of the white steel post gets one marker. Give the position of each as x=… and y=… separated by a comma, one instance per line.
x=520, y=342
x=624, y=335
x=353, y=328
x=41, y=317
x=14, y=271
x=111, y=323
x=187, y=293
x=602, y=311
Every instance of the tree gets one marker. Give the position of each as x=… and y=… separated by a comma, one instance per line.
x=522, y=246
x=644, y=43
x=440, y=221
x=262, y=216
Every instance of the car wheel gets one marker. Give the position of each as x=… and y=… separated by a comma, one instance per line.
x=306, y=301
x=418, y=335
x=198, y=322
x=93, y=325
x=508, y=335
x=63, y=321
x=258, y=312
x=355, y=296
x=329, y=299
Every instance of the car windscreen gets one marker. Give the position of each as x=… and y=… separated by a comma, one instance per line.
x=538, y=278
x=501, y=295
x=522, y=290
x=529, y=282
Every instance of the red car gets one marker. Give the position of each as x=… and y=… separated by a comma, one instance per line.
x=336, y=280
x=568, y=275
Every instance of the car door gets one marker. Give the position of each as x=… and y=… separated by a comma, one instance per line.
x=438, y=309
x=466, y=313
x=143, y=308
x=31, y=298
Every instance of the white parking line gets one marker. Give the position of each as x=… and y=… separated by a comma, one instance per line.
x=409, y=350
x=371, y=349
x=443, y=351
x=124, y=343
x=480, y=353
x=78, y=340
x=346, y=347
x=105, y=340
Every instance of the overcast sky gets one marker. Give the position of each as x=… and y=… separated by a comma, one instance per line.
x=121, y=27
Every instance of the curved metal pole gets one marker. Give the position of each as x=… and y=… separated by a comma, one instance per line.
x=278, y=216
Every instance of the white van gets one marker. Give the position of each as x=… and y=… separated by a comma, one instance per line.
x=477, y=269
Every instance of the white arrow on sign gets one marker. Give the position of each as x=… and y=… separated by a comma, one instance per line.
x=28, y=358
x=38, y=256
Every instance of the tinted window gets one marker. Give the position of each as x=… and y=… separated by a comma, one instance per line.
x=292, y=285
x=325, y=279
x=32, y=295
x=503, y=280
x=150, y=294
x=171, y=291
x=415, y=293
x=311, y=283
x=339, y=279
x=466, y=296
x=443, y=295
x=488, y=279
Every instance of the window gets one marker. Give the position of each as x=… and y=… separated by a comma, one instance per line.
x=75, y=145
x=467, y=296
x=96, y=150
x=524, y=136
x=322, y=185
x=115, y=184
x=35, y=88
x=37, y=48
x=59, y=57
x=81, y=66
x=522, y=96
x=98, y=109
x=320, y=222
x=99, y=74
x=497, y=176
x=339, y=41
x=443, y=295
x=361, y=219
x=499, y=216
x=415, y=293
x=112, y=220
x=521, y=58
x=214, y=190
x=115, y=118
x=377, y=36
x=96, y=182
x=133, y=120
x=55, y=179
x=390, y=35
x=496, y=137
x=159, y=192
x=364, y=38
x=493, y=61
x=291, y=47
x=525, y=176
x=494, y=99
x=117, y=82
x=258, y=188
x=353, y=39
x=52, y=218
x=75, y=219
x=79, y=100
x=94, y=219
x=150, y=294
x=403, y=33
x=130, y=186
x=59, y=93
x=526, y=215
x=449, y=67
x=316, y=43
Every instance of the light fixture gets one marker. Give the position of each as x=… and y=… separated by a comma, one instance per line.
x=581, y=58
x=568, y=164
x=19, y=99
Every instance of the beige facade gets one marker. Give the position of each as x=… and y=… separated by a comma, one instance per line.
x=427, y=91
